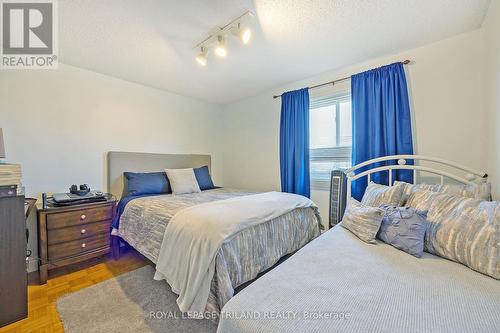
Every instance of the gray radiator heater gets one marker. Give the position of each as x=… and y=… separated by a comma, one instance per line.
x=338, y=193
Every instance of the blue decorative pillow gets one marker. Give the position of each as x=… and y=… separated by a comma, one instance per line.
x=203, y=177
x=146, y=183
x=403, y=228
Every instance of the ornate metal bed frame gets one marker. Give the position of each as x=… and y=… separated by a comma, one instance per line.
x=341, y=180
x=470, y=176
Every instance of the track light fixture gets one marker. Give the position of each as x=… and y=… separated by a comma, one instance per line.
x=218, y=38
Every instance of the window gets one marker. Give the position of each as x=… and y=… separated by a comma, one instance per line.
x=330, y=137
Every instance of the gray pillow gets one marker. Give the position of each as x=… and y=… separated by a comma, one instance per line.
x=403, y=228
x=476, y=191
x=466, y=231
x=377, y=195
x=421, y=200
x=363, y=221
x=409, y=189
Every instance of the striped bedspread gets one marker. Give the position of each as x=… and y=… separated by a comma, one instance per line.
x=241, y=258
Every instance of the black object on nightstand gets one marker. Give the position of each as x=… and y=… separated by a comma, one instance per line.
x=72, y=234
x=13, y=276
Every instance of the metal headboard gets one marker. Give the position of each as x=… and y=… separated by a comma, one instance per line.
x=469, y=177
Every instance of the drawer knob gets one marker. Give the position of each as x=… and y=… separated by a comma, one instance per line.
x=84, y=245
x=83, y=217
x=83, y=231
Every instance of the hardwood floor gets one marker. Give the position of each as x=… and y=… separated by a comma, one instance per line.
x=42, y=313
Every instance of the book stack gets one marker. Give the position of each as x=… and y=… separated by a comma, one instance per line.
x=10, y=180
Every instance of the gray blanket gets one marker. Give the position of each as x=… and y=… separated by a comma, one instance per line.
x=240, y=259
x=338, y=283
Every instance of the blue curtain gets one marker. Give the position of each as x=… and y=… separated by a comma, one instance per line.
x=381, y=122
x=294, y=142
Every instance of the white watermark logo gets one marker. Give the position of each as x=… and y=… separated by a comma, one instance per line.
x=252, y=315
x=29, y=34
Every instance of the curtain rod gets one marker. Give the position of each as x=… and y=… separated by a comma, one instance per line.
x=405, y=62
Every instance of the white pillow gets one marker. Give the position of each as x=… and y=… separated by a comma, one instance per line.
x=182, y=181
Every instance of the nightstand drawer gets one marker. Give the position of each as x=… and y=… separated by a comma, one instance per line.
x=78, y=232
x=77, y=247
x=77, y=217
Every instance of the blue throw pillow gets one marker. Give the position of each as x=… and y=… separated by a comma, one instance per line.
x=146, y=183
x=403, y=228
x=203, y=177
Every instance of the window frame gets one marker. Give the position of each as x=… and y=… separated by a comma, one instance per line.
x=338, y=153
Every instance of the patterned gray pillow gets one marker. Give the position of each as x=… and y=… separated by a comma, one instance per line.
x=466, y=231
x=421, y=200
x=363, y=221
x=409, y=189
x=403, y=228
x=377, y=195
x=477, y=191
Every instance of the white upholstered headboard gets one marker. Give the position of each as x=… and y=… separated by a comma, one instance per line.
x=120, y=162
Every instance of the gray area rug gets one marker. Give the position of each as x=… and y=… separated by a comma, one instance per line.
x=132, y=302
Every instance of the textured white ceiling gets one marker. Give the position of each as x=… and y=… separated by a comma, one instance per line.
x=151, y=41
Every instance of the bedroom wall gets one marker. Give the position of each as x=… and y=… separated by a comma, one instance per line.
x=446, y=83
x=491, y=28
x=58, y=124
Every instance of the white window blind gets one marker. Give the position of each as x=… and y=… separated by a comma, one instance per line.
x=330, y=137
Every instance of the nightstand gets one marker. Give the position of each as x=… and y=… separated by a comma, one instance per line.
x=72, y=234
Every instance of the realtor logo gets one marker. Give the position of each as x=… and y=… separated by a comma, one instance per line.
x=28, y=34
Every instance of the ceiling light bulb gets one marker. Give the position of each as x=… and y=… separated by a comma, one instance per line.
x=245, y=35
x=221, y=50
x=201, y=58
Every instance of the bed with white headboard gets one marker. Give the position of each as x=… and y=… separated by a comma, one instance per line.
x=425, y=169
x=339, y=283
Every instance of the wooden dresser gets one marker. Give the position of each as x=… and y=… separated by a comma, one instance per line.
x=67, y=235
x=13, y=276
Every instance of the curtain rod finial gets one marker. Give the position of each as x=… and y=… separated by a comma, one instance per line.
x=406, y=62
